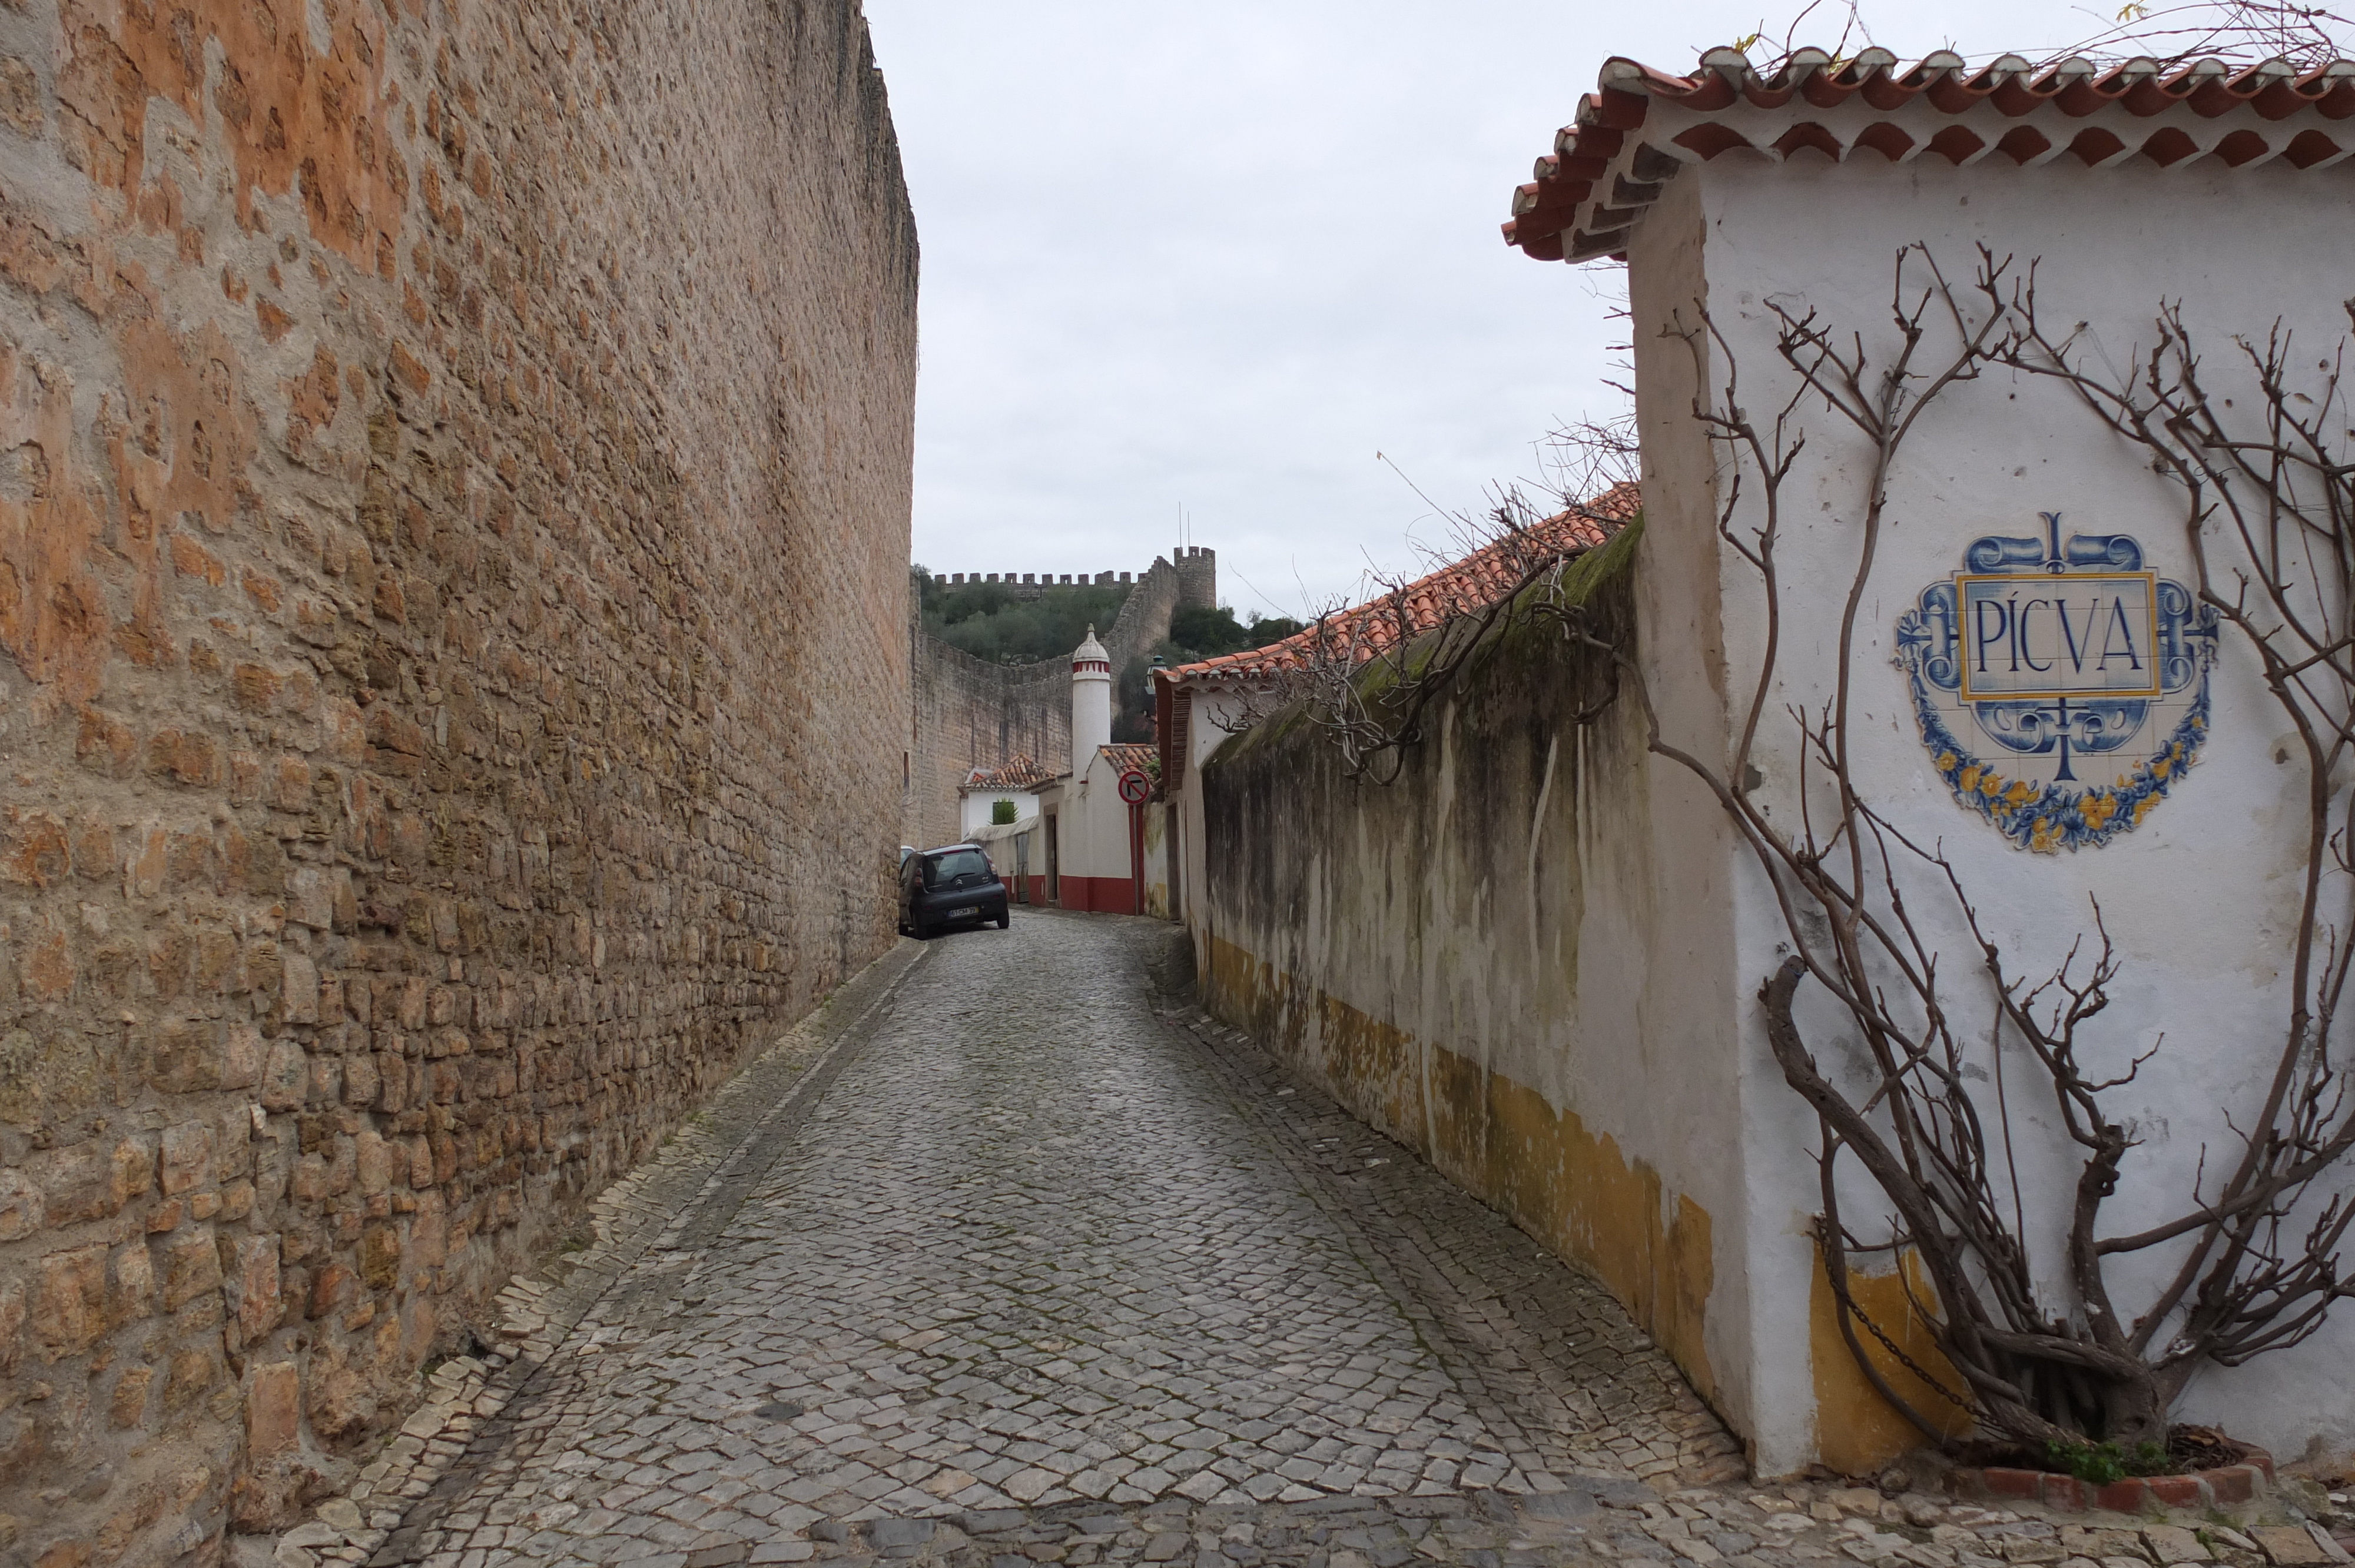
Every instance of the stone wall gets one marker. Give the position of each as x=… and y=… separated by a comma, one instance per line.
x=453, y=482
x=965, y=712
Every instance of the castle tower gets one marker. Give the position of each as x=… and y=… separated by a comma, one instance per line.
x=1197, y=577
x=1091, y=702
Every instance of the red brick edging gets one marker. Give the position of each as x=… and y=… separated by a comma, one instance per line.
x=2226, y=1485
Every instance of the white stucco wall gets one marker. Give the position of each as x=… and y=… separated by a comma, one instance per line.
x=2200, y=899
x=1092, y=830
x=974, y=808
x=1642, y=1020
x=1014, y=848
x=1516, y=957
x=1095, y=823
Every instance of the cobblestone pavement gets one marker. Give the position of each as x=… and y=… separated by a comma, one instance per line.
x=1039, y=1271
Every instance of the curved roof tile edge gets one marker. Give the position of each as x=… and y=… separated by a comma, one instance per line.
x=1580, y=527
x=1642, y=125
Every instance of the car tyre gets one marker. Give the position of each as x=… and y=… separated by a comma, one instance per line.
x=1005, y=918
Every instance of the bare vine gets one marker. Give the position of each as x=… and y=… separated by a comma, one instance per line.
x=2255, y=1256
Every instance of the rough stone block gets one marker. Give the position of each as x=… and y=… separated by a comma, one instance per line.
x=191, y=1268
x=22, y=1207
x=2172, y=1543
x=273, y=1408
x=70, y=1303
x=252, y=1286
x=127, y=1404
x=299, y=989
x=131, y=1292
x=285, y=1076
x=94, y=1179
x=187, y=1151
x=381, y=1256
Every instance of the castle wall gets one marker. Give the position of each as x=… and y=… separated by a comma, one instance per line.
x=454, y=468
x=965, y=712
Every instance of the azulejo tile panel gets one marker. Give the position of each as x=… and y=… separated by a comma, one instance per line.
x=2062, y=689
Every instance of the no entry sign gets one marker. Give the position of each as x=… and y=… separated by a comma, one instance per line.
x=1135, y=787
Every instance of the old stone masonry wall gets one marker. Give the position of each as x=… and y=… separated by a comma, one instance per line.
x=453, y=495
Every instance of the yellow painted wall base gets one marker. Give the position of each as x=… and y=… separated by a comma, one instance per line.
x=1857, y=1430
x=1570, y=1188
x=1566, y=1185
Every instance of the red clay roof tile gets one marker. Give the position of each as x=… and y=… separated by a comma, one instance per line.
x=1017, y=773
x=1480, y=579
x=1644, y=125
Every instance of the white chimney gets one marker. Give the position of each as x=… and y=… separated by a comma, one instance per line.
x=1091, y=702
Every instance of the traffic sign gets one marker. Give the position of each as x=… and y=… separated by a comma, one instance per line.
x=1135, y=787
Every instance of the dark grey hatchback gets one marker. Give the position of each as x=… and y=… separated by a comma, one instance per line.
x=950, y=886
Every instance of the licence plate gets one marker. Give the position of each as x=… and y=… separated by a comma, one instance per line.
x=957, y=914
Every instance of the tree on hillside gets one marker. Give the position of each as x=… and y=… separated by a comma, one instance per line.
x=988, y=621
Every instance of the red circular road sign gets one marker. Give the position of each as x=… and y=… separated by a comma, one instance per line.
x=1135, y=787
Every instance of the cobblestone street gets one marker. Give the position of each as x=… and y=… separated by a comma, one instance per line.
x=1034, y=1252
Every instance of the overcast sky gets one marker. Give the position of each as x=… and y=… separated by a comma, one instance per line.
x=1215, y=255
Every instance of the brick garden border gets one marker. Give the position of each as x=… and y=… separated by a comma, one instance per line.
x=2225, y=1485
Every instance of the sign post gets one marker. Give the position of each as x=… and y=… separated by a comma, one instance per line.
x=1136, y=789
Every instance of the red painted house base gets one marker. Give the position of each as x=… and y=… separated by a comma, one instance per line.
x=1104, y=894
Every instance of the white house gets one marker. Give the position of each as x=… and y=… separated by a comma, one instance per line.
x=1016, y=782
x=1103, y=853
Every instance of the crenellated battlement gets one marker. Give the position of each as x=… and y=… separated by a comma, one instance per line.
x=1031, y=585
x=1196, y=567
x=1197, y=577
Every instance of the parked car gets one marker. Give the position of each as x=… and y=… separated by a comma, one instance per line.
x=954, y=885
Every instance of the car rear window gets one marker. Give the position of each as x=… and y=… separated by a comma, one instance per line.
x=948, y=867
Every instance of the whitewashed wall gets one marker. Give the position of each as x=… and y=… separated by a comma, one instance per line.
x=2201, y=897
x=974, y=809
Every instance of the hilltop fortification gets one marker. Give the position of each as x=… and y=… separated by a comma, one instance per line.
x=966, y=713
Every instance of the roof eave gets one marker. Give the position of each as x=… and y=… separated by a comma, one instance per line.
x=1643, y=127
